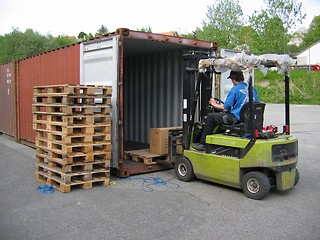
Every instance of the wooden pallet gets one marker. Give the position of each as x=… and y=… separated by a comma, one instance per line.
x=62, y=109
x=67, y=120
x=73, y=130
x=143, y=155
x=75, y=166
x=63, y=126
x=65, y=149
x=57, y=157
x=96, y=138
x=71, y=99
x=69, y=178
x=67, y=187
x=73, y=89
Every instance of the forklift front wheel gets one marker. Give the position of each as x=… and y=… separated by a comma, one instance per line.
x=184, y=170
x=255, y=185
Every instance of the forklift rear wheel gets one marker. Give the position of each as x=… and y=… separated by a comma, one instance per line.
x=184, y=170
x=255, y=185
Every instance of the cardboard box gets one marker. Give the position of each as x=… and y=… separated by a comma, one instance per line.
x=159, y=140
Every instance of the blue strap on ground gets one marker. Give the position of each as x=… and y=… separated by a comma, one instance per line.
x=46, y=189
x=149, y=182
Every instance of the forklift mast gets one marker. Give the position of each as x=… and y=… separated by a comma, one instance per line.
x=197, y=90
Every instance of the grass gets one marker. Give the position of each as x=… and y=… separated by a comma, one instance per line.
x=304, y=87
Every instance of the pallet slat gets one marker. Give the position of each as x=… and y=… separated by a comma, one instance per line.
x=73, y=89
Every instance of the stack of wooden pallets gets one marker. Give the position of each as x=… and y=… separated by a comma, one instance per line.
x=73, y=135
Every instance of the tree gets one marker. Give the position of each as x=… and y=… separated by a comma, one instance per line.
x=294, y=46
x=102, y=30
x=145, y=29
x=224, y=21
x=312, y=35
x=17, y=44
x=272, y=25
x=84, y=36
x=244, y=37
x=289, y=11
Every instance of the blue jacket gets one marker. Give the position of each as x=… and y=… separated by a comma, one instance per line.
x=237, y=97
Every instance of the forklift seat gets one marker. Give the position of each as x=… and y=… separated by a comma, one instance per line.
x=241, y=128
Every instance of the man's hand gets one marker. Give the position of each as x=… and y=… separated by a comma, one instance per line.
x=214, y=104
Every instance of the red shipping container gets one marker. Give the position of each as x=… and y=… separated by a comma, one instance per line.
x=60, y=66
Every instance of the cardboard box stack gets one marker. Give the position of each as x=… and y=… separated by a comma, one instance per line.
x=73, y=135
x=159, y=140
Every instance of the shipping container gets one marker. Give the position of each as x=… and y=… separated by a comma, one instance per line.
x=8, y=104
x=59, y=66
x=146, y=73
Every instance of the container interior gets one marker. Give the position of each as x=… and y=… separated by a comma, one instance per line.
x=152, y=86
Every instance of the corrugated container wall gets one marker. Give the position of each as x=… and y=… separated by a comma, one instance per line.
x=8, y=105
x=152, y=93
x=61, y=66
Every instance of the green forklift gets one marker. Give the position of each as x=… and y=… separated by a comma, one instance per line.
x=246, y=155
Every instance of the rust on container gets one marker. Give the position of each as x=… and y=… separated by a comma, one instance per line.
x=60, y=66
x=8, y=105
x=167, y=39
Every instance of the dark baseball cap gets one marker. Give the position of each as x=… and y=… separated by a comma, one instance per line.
x=235, y=73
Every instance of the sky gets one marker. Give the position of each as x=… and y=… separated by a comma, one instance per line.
x=70, y=17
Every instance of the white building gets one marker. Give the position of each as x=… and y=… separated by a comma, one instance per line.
x=310, y=56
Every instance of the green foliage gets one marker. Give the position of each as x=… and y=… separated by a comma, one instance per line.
x=313, y=34
x=102, y=30
x=268, y=32
x=289, y=11
x=273, y=24
x=17, y=44
x=84, y=36
x=244, y=36
x=145, y=29
x=224, y=21
x=269, y=36
x=304, y=87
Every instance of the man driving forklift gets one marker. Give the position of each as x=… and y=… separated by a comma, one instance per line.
x=245, y=155
x=229, y=112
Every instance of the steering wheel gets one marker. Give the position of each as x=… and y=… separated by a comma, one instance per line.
x=212, y=108
x=219, y=101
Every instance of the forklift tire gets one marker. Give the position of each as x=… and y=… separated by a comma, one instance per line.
x=184, y=170
x=255, y=185
x=297, y=177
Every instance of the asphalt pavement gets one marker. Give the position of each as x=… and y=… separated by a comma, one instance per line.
x=143, y=208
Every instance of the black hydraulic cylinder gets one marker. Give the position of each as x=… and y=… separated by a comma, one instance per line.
x=287, y=103
x=251, y=115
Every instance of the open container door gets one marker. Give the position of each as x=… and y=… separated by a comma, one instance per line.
x=99, y=65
